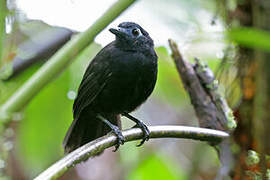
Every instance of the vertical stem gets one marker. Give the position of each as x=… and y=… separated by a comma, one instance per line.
x=3, y=11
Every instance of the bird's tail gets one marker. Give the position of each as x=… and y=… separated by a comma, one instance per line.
x=85, y=129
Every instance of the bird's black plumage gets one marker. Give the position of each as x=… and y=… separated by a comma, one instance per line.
x=119, y=79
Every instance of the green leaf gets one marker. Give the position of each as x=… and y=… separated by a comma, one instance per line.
x=250, y=37
x=157, y=167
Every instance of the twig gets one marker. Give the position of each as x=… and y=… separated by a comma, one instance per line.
x=95, y=147
x=59, y=61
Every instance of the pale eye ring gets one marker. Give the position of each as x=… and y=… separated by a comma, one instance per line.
x=136, y=32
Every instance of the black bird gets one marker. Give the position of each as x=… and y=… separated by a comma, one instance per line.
x=118, y=80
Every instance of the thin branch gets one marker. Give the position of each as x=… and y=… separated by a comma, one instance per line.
x=60, y=60
x=95, y=147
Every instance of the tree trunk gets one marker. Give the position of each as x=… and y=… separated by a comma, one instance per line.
x=254, y=72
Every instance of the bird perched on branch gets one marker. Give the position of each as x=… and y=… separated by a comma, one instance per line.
x=118, y=80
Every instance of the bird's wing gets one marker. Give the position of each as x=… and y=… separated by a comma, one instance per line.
x=94, y=80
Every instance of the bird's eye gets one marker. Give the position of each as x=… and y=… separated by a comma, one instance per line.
x=135, y=32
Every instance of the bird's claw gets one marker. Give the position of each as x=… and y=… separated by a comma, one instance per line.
x=120, y=137
x=142, y=126
x=145, y=130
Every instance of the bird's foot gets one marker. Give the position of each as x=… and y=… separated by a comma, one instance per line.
x=142, y=126
x=119, y=135
x=145, y=130
x=115, y=130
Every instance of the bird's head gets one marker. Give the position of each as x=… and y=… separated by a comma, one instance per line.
x=132, y=35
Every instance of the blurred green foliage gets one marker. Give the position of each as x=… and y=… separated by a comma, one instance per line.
x=45, y=121
x=7, y=88
x=250, y=37
x=47, y=117
x=3, y=14
x=169, y=86
x=158, y=167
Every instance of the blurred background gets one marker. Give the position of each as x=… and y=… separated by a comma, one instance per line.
x=33, y=30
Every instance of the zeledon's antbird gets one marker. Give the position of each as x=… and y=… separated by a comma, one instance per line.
x=118, y=80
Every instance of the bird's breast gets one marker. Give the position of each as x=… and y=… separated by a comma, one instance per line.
x=130, y=84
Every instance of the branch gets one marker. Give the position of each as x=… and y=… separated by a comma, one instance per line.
x=211, y=108
x=95, y=147
x=199, y=81
x=59, y=61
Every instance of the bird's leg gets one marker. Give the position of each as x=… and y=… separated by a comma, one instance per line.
x=116, y=130
x=141, y=125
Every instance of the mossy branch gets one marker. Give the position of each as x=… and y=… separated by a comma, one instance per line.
x=100, y=144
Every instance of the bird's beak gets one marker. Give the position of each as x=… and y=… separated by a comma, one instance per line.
x=120, y=32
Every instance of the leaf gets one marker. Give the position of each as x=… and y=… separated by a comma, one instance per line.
x=250, y=37
x=156, y=167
